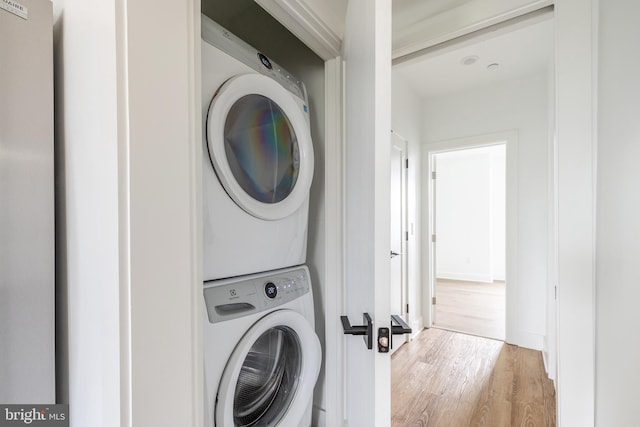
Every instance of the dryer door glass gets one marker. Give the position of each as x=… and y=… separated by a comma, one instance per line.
x=268, y=378
x=261, y=148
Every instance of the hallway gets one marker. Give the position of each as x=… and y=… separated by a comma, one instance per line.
x=444, y=378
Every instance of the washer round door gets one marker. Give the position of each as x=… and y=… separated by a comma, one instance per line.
x=260, y=146
x=269, y=379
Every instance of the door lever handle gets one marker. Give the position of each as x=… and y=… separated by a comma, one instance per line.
x=401, y=328
x=394, y=254
x=366, y=329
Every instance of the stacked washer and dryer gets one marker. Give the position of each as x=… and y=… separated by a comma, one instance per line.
x=261, y=353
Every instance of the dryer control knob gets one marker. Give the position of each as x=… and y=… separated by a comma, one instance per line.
x=271, y=290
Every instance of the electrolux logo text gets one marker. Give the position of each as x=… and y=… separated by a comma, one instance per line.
x=36, y=415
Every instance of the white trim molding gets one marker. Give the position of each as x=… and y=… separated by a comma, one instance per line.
x=335, y=243
x=161, y=214
x=320, y=28
x=576, y=111
x=460, y=21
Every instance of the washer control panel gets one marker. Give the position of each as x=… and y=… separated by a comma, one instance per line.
x=228, y=299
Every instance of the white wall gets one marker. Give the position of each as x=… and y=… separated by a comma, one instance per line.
x=470, y=214
x=129, y=265
x=519, y=105
x=405, y=121
x=618, y=210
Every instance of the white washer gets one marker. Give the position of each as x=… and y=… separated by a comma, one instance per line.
x=261, y=353
x=258, y=159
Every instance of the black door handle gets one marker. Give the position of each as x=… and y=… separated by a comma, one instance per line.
x=401, y=328
x=366, y=329
x=394, y=254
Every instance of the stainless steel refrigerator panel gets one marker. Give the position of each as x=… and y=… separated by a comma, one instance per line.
x=27, y=288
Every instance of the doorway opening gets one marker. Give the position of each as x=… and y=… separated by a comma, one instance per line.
x=468, y=240
x=446, y=95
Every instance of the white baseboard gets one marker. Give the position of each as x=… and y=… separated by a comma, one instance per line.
x=528, y=340
x=416, y=326
x=466, y=277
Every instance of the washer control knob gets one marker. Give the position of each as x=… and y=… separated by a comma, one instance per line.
x=265, y=61
x=271, y=290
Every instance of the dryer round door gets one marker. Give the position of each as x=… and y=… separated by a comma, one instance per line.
x=270, y=376
x=260, y=146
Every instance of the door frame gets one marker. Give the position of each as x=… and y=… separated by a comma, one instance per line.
x=429, y=150
x=402, y=144
x=335, y=366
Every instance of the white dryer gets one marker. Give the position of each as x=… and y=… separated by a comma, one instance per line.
x=261, y=353
x=258, y=159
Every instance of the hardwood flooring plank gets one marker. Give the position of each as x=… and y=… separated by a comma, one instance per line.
x=496, y=413
x=471, y=307
x=444, y=378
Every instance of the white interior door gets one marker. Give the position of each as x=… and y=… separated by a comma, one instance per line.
x=367, y=55
x=398, y=230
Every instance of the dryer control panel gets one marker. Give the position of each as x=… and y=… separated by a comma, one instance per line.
x=218, y=36
x=242, y=296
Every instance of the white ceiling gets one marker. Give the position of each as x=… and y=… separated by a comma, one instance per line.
x=519, y=52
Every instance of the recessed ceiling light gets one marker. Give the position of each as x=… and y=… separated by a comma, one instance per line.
x=493, y=67
x=469, y=60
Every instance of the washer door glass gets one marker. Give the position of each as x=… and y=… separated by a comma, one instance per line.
x=270, y=375
x=261, y=148
x=268, y=378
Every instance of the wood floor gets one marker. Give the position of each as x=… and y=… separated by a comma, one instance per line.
x=471, y=307
x=449, y=379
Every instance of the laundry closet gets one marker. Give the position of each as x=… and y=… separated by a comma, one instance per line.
x=129, y=155
x=260, y=238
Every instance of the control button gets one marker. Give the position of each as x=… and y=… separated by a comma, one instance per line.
x=270, y=290
x=265, y=61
